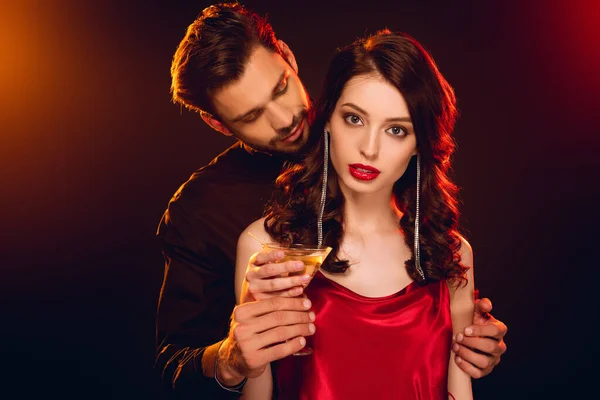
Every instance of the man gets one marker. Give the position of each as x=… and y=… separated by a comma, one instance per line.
x=231, y=69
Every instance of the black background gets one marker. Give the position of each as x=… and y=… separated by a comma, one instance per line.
x=92, y=149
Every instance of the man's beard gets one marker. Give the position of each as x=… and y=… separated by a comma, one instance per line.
x=294, y=153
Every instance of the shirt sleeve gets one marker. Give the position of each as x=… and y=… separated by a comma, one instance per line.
x=195, y=303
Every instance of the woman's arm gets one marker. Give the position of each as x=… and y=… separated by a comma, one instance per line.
x=260, y=388
x=260, y=276
x=461, y=308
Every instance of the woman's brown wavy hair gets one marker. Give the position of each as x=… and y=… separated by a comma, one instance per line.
x=291, y=217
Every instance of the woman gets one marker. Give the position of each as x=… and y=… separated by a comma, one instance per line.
x=399, y=280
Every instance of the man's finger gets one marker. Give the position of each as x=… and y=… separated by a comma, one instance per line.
x=255, y=309
x=283, y=333
x=469, y=368
x=479, y=360
x=496, y=330
x=482, y=344
x=281, y=318
x=282, y=350
x=482, y=312
x=483, y=305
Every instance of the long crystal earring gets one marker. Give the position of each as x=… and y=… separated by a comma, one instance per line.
x=417, y=224
x=324, y=187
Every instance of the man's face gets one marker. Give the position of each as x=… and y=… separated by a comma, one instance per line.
x=267, y=107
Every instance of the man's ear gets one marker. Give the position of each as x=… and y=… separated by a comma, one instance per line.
x=215, y=124
x=287, y=53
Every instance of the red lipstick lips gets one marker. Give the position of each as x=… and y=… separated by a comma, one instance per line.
x=363, y=172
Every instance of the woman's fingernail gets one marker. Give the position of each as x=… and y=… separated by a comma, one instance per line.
x=306, y=303
x=459, y=337
x=312, y=316
x=468, y=331
x=298, y=265
x=305, y=278
x=458, y=360
x=455, y=347
x=311, y=328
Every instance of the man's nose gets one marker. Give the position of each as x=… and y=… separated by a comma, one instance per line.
x=281, y=116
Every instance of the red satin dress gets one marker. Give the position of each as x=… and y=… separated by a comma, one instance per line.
x=392, y=347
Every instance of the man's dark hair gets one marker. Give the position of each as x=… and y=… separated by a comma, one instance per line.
x=214, y=52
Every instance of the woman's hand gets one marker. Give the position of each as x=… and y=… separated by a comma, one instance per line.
x=267, y=277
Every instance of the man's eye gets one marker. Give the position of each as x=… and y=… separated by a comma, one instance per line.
x=251, y=118
x=283, y=87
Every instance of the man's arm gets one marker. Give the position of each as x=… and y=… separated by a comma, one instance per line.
x=195, y=303
x=184, y=374
x=479, y=348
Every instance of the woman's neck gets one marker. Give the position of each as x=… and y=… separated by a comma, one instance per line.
x=369, y=213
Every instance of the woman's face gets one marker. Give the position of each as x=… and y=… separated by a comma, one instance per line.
x=372, y=136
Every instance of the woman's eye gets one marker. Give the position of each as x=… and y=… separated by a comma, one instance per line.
x=353, y=119
x=397, y=131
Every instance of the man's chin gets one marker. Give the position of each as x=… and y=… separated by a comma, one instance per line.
x=285, y=153
x=293, y=151
x=290, y=151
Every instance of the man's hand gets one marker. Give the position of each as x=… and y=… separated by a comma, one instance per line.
x=478, y=350
x=266, y=277
x=261, y=332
